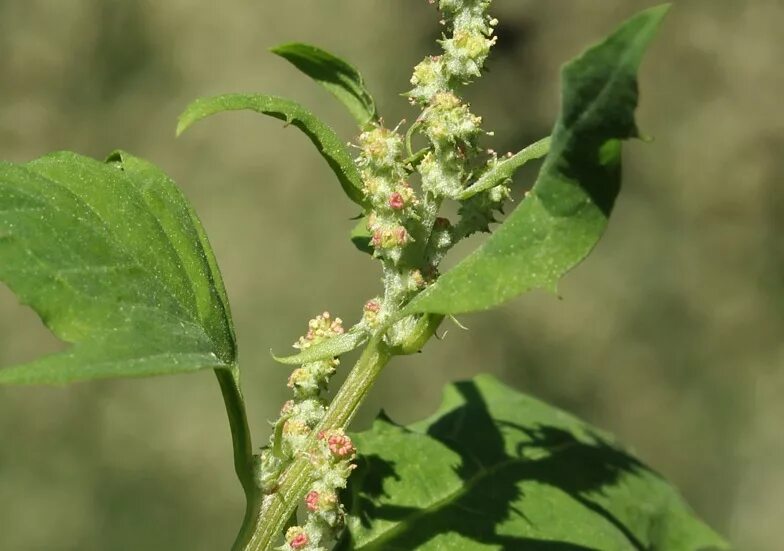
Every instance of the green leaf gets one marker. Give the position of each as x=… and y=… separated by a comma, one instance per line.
x=330, y=348
x=114, y=260
x=504, y=170
x=566, y=212
x=339, y=78
x=494, y=469
x=323, y=137
x=360, y=236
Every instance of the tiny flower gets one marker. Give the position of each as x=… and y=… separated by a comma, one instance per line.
x=341, y=446
x=312, y=500
x=377, y=238
x=296, y=537
x=401, y=236
x=293, y=427
x=370, y=312
x=288, y=405
x=298, y=377
x=416, y=280
x=396, y=201
x=320, y=328
x=381, y=147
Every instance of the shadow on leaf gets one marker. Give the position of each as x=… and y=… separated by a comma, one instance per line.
x=491, y=476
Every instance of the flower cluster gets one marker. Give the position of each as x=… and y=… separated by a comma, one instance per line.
x=465, y=51
x=447, y=121
x=299, y=416
x=392, y=200
x=332, y=459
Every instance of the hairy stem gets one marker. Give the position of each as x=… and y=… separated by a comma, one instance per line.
x=243, y=448
x=275, y=509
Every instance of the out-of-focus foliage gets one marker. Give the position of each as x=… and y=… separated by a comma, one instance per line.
x=669, y=336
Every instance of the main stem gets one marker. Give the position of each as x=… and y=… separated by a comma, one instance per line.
x=267, y=521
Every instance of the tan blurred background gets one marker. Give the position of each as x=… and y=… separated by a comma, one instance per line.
x=669, y=335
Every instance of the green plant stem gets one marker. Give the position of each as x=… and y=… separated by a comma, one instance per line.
x=243, y=448
x=275, y=509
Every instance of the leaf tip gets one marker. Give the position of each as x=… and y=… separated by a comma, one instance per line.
x=182, y=126
x=285, y=360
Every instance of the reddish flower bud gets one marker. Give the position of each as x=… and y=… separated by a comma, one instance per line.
x=396, y=201
x=401, y=235
x=312, y=500
x=299, y=541
x=377, y=239
x=296, y=537
x=288, y=406
x=340, y=445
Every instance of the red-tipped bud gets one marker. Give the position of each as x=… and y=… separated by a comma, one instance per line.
x=296, y=537
x=312, y=500
x=341, y=446
x=396, y=201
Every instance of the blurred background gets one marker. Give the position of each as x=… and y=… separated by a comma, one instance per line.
x=669, y=335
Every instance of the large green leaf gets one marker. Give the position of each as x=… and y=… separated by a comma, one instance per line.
x=323, y=137
x=336, y=75
x=566, y=212
x=496, y=470
x=114, y=260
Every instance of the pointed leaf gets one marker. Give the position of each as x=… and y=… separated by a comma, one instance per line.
x=494, y=469
x=505, y=169
x=323, y=137
x=566, y=212
x=330, y=348
x=338, y=77
x=114, y=260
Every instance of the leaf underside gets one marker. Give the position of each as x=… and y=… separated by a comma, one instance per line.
x=566, y=212
x=494, y=469
x=323, y=137
x=113, y=259
x=337, y=76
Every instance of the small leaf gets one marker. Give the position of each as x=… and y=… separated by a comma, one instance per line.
x=566, y=212
x=495, y=469
x=114, y=260
x=504, y=170
x=360, y=236
x=323, y=137
x=330, y=348
x=339, y=78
